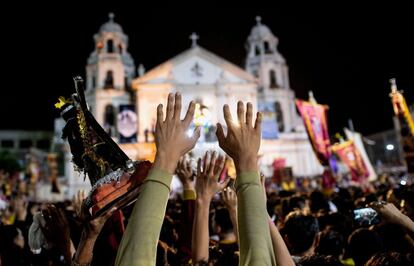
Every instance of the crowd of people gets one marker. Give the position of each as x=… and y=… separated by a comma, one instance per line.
x=217, y=220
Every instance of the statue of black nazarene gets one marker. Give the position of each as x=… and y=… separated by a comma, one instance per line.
x=115, y=178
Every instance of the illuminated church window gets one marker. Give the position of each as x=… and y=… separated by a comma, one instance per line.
x=109, y=80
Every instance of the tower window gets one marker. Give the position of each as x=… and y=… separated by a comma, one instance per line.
x=120, y=49
x=109, y=46
x=279, y=117
x=109, y=80
x=272, y=79
x=126, y=82
x=110, y=115
x=267, y=47
x=109, y=119
x=93, y=82
x=256, y=50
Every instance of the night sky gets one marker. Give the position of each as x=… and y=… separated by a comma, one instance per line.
x=345, y=56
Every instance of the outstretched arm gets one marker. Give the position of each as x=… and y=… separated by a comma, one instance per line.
x=184, y=172
x=390, y=214
x=90, y=233
x=139, y=243
x=230, y=201
x=242, y=143
x=280, y=249
x=207, y=185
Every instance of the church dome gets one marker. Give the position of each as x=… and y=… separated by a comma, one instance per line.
x=260, y=31
x=111, y=26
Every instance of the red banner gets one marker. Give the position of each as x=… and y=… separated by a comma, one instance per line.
x=315, y=119
x=350, y=156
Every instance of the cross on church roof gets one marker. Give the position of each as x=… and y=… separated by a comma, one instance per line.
x=111, y=16
x=259, y=20
x=194, y=37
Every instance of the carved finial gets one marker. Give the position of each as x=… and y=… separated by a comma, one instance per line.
x=311, y=97
x=194, y=37
x=393, y=85
x=141, y=70
x=259, y=20
x=111, y=16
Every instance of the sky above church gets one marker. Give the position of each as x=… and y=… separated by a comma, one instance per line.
x=346, y=57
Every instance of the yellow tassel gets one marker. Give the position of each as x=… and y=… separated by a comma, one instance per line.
x=62, y=102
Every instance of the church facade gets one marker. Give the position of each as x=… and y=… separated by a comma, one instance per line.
x=208, y=79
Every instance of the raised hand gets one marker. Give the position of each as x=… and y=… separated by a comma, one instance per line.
x=242, y=142
x=388, y=212
x=229, y=199
x=208, y=172
x=91, y=230
x=56, y=230
x=185, y=173
x=207, y=185
x=77, y=202
x=391, y=214
x=93, y=226
x=171, y=134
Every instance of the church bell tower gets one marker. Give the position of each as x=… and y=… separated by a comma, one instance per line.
x=266, y=63
x=109, y=72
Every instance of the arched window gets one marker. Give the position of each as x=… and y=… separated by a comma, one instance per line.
x=120, y=49
x=109, y=46
x=279, y=117
x=267, y=47
x=257, y=50
x=109, y=115
x=272, y=79
x=109, y=80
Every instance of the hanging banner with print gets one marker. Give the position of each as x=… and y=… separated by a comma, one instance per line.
x=315, y=119
x=269, y=122
x=406, y=125
x=351, y=157
x=127, y=124
x=356, y=137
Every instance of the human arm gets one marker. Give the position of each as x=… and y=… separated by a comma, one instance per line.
x=90, y=232
x=207, y=185
x=185, y=173
x=242, y=144
x=281, y=251
x=139, y=243
x=56, y=231
x=390, y=214
x=230, y=201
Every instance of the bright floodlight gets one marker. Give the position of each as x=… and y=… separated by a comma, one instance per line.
x=390, y=147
